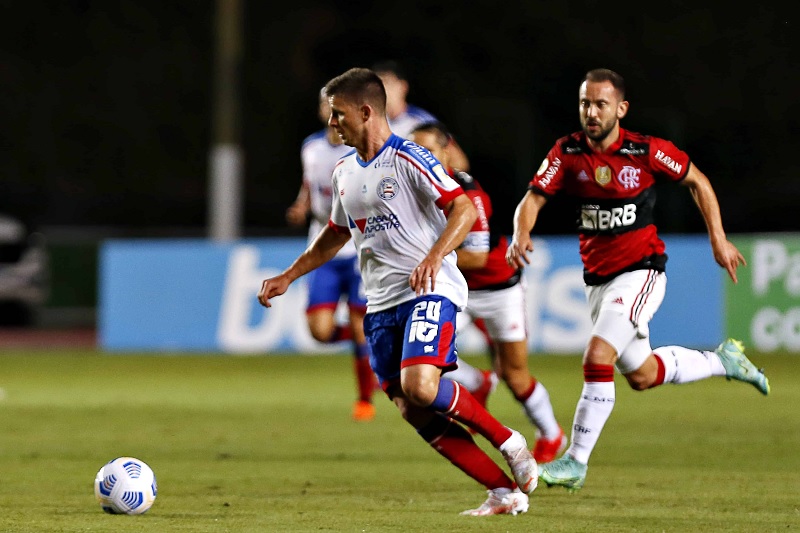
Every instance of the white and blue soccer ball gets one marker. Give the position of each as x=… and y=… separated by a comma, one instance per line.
x=125, y=485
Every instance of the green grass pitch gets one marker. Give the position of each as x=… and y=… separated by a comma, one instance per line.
x=266, y=444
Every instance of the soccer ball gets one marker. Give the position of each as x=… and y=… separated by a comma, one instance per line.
x=125, y=485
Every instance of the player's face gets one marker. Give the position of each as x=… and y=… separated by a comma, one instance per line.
x=345, y=118
x=600, y=109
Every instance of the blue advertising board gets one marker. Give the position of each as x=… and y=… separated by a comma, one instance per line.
x=199, y=296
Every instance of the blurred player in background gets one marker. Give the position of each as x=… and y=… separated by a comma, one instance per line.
x=611, y=173
x=339, y=278
x=497, y=299
x=391, y=198
x=402, y=115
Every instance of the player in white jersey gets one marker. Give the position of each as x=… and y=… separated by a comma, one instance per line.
x=390, y=196
x=339, y=278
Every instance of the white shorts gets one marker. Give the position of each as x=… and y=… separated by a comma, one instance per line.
x=621, y=312
x=504, y=312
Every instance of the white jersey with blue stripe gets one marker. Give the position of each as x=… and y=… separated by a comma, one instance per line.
x=392, y=207
x=402, y=124
x=318, y=157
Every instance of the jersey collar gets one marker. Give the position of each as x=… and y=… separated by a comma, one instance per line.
x=618, y=144
x=611, y=149
x=393, y=140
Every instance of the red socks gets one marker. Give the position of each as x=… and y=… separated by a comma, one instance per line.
x=454, y=443
x=365, y=378
x=466, y=409
x=598, y=373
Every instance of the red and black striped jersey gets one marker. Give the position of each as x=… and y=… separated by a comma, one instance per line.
x=614, y=196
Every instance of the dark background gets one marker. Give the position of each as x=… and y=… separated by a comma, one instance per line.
x=107, y=104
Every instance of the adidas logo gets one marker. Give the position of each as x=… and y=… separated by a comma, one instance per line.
x=618, y=300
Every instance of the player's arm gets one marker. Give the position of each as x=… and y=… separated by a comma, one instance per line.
x=525, y=216
x=474, y=251
x=725, y=252
x=297, y=213
x=461, y=215
x=319, y=252
x=470, y=260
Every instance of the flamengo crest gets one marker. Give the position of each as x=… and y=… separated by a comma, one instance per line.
x=629, y=177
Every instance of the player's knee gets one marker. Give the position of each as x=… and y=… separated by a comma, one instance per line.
x=420, y=396
x=646, y=376
x=419, y=392
x=638, y=382
x=322, y=325
x=599, y=352
x=320, y=336
x=321, y=332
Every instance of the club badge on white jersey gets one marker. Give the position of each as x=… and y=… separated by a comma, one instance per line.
x=392, y=206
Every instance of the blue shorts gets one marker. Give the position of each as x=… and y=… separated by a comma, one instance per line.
x=421, y=331
x=336, y=278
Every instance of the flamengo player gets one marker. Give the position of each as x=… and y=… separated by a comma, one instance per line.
x=610, y=172
x=497, y=298
x=339, y=277
x=390, y=198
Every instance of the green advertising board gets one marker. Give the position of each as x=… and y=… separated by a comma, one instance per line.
x=763, y=309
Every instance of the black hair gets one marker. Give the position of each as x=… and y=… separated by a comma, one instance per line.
x=359, y=85
x=443, y=135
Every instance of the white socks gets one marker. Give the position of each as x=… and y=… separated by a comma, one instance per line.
x=594, y=408
x=540, y=412
x=683, y=365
